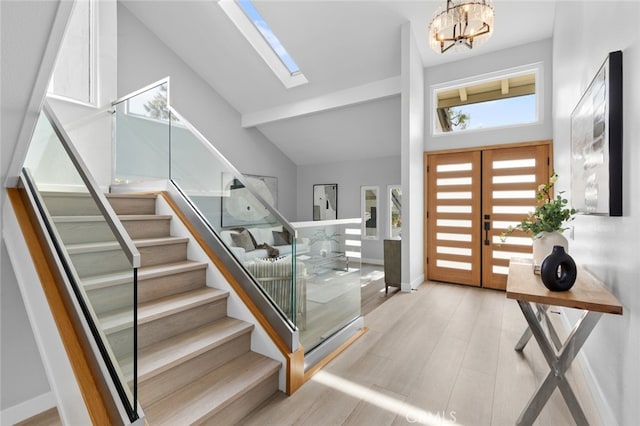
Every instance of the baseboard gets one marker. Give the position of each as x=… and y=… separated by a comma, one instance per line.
x=372, y=261
x=417, y=282
x=27, y=409
x=598, y=396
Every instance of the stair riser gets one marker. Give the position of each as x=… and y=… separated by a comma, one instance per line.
x=241, y=407
x=84, y=232
x=172, y=325
x=71, y=205
x=152, y=228
x=101, y=262
x=170, y=284
x=130, y=205
x=161, y=254
x=164, y=384
x=121, y=343
x=111, y=298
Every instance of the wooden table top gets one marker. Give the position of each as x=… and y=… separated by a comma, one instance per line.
x=587, y=293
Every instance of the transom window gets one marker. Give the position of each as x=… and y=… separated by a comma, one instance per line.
x=496, y=101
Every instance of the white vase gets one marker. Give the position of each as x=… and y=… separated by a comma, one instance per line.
x=543, y=246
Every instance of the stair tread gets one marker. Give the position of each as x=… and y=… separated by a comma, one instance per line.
x=149, y=242
x=158, y=308
x=213, y=391
x=144, y=273
x=161, y=356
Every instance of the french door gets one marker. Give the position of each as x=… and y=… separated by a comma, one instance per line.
x=472, y=197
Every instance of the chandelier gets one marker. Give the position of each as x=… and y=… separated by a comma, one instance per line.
x=461, y=23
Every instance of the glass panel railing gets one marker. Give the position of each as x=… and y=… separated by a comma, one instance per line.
x=142, y=131
x=239, y=209
x=330, y=270
x=100, y=262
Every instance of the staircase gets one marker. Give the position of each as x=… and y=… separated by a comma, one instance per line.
x=195, y=365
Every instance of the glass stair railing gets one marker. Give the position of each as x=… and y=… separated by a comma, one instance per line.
x=153, y=142
x=98, y=257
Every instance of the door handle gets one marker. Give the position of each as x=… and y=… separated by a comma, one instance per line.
x=487, y=228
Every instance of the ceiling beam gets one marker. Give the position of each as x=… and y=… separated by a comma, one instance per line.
x=355, y=95
x=463, y=94
x=488, y=96
x=505, y=86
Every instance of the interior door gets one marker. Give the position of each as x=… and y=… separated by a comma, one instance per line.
x=472, y=197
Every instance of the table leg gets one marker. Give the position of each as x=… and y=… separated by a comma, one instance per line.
x=558, y=363
x=526, y=336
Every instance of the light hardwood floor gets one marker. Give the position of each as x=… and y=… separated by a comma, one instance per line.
x=438, y=356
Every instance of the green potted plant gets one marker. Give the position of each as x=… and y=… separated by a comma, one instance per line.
x=546, y=223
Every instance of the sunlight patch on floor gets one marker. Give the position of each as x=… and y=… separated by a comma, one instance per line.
x=412, y=414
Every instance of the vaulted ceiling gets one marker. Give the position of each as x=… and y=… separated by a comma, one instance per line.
x=348, y=50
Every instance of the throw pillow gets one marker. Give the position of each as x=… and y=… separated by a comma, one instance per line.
x=243, y=239
x=281, y=238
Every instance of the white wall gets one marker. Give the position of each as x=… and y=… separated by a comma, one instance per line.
x=413, y=139
x=27, y=30
x=144, y=59
x=23, y=375
x=350, y=176
x=498, y=61
x=584, y=33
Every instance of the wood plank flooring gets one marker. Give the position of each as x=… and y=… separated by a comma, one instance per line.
x=441, y=355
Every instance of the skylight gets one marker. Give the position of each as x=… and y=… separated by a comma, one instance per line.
x=254, y=28
x=264, y=28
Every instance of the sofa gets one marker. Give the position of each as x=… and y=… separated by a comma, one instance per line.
x=246, y=247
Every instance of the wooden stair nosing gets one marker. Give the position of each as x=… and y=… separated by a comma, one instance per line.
x=214, y=391
x=134, y=195
x=145, y=273
x=73, y=219
x=161, y=356
x=151, y=242
x=160, y=308
x=84, y=248
x=142, y=217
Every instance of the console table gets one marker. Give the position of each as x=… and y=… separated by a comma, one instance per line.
x=587, y=294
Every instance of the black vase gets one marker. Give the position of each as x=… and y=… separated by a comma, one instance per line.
x=558, y=270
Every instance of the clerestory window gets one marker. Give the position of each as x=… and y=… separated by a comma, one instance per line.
x=501, y=100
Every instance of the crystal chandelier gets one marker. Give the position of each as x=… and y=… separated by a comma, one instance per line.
x=461, y=23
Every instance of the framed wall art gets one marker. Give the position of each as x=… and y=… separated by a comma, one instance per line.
x=596, y=143
x=241, y=208
x=325, y=201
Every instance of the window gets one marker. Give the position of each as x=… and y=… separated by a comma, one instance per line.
x=255, y=29
x=73, y=76
x=497, y=101
x=262, y=26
